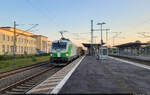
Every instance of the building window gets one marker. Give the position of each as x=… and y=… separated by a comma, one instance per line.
x=11, y=47
x=19, y=49
x=7, y=48
x=12, y=38
x=16, y=48
x=7, y=38
x=22, y=49
x=4, y=37
x=3, y=47
x=27, y=49
x=32, y=50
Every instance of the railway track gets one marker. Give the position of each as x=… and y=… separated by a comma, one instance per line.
x=21, y=80
x=140, y=61
x=26, y=84
x=21, y=69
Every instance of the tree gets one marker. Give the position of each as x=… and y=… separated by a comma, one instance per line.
x=148, y=43
x=138, y=41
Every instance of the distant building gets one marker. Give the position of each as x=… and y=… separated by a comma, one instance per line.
x=26, y=43
x=133, y=49
x=49, y=46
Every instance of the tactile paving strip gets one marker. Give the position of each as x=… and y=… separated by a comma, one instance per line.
x=48, y=85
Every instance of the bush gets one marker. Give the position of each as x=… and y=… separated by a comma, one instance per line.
x=34, y=59
x=1, y=57
x=7, y=57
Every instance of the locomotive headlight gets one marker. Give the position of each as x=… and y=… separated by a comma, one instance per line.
x=67, y=54
x=51, y=54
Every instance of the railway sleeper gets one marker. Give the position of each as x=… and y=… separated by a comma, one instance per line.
x=13, y=92
x=27, y=85
x=18, y=90
x=54, y=80
x=22, y=87
x=30, y=83
x=33, y=81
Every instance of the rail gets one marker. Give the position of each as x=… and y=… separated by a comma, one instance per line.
x=25, y=81
x=21, y=69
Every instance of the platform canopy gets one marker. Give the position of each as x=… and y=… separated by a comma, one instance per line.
x=131, y=44
x=88, y=45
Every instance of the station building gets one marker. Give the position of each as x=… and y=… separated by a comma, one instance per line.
x=92, y=49
x=26, y=43
x=134, y=49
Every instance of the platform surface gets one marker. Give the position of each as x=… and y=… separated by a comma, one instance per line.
x=57, y=80
x=142, y=57
x=107, y=76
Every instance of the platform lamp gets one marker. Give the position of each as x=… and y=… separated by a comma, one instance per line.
x=101, y=31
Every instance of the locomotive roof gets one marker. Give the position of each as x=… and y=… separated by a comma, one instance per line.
x=61, y=41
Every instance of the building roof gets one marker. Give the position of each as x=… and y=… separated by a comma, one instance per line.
x=41, y=36
x=18, y=31
x=89, y=45
x=131, y=44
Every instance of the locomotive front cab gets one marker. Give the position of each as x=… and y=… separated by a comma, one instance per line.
x=59, y=51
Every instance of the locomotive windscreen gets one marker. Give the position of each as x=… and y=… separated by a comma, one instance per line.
x=59, y=45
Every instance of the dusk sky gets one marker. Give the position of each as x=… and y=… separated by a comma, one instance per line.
x=126, y=16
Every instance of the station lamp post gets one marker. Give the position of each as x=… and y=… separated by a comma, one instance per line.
x=101, y=31
x=15, y=39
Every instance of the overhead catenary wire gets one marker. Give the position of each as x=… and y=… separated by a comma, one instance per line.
x=144, y=34
x=44, y=14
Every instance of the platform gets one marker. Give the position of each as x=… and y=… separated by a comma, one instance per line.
x=108, y=76
x=140, y=57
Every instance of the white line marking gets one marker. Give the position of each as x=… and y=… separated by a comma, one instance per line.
x=133, y=63
x=62, y=82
